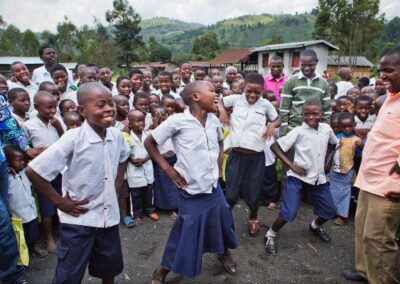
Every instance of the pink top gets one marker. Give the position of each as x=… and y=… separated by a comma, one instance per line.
x=382, y=150
x=274, y=85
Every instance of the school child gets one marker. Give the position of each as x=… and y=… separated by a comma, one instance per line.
x=154, y=100
x=354, y=93
x=230, y=76
x=218, y=83
x=42, y=131
x=51, y=88
x=312, y=142
x=96, y=156
x=124, y=87
x=246, y=163
x=199, y=74
x=227, y=93
x=141, y=103
x=214, y=72
x=67, y=106
x=136, y=77
x=88, y=74
x=379, y=102
x=186, y=73
x=21, y=203
x=341, y=174
x=3, y=86
x=169, y=104
x=59, y=75
x=165, y=79
x=155, y=84
x=204, y=222
x=140, y=174
x=344, y=84
x=363, y=82
x=333, y=90
x=122, y=106
x=380, y=87
x=72, y=120
x=269, y=95
x=20, y=101
x=236, y=89
x=147, y=80
x=176, y=81
x=335, y=122
x=344, y=104
x=105, y=76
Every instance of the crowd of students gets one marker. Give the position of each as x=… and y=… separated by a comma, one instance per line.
x=186, y=143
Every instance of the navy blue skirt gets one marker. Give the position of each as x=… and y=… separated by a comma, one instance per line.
x=204, y=224
x=165, y=191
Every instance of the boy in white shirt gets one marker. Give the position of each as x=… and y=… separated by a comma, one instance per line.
x=96, y=155
x=140, y=174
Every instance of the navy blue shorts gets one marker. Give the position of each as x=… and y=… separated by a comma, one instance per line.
x=79, y=246
x=320, y=196
x=47, y=209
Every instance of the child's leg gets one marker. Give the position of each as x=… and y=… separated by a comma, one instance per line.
x=31, y=232
x=137, y=201
x=123, y=200
x=148, y=202
x=234, y=176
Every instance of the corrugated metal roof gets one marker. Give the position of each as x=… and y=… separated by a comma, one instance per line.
x=293, y=45
x=360, y=61
x=231, y=56
x=26, y=60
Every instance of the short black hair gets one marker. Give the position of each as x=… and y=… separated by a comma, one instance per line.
x=42, y=48
x=392, y=51
x=254, y=78
x=335, y=116
x=140, y=95
x=63, y=102
x=15, y=63
x=119, y=97
x=83, y=93
x=362, y=99
x=135, y=71
x=268, y=92
x=313, y=102
x=165, y=74
x=346, y=115
x=155, y=108
x=191, y=88
x=155, y=95
x=363, y=82
x=43, y=85
x=10, y=150
x=309, y=53
x=175, y=73
x=123, y=77
x=167, y=96
x=57, y=67
x=276, y=58
x=72, y=114
x=348, y=98
x=334, y=86
x=40, y=94
x=14, y=92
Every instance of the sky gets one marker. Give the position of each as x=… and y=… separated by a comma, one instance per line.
x=39, y=15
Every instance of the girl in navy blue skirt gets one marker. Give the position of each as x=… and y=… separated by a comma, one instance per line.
x=204, y=222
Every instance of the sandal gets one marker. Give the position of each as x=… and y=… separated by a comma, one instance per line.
x=254, y=227
x=157, y=280
x=229, y=264
x=128, y=222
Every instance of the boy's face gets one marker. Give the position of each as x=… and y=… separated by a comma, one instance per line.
x=236, y=89
x=342, y=105
x=73, y=122
x=125, y=87
x=335, y=125
x=354, y=93
x=199, y=75
x=88, y=75
x=276, y=68
x=99, y=108
x=105, y=75
x=136, y=121
x=226, y=93
x=169, y=105
x=252, y=92
x=308, y=65
x=68, y=106
x=332, y=91
x=142, y=104
x=390, y=72
x=137, y=82
x=3, y=85
x=218, y=83
x=147, y=78
x=380, y=87
x=186, y=71
x=52, y=89
x=49, y=56
x=176, y=80
x=122, y=105
x=363, y=109
x=214, y=72
x=207, y=98
x=156, y=84
x=367, y=91
x=154, y=100
x=22, y=102
x=17, y=161
x=270, y=97
x=164, y=84
x=46, y=107
x=231, y=76
x=20, y=72
x=347, y=126
x=312, y=115
x=60, y=78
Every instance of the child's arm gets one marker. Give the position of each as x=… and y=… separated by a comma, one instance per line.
x=65, y=204
x=120, y=176
x=330, y=152
x=270, y=132
x=151, y=146
x=281, y=155
x=57, y=125
x=223, y=114
x=220, y=156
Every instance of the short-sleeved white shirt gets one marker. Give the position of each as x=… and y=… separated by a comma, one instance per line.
x=41, y=74
x=365, y=124
x=70, y=95
x=21, y=202
x=139, y=176
x=38, y=134
x=92, y=165
x=249, y=122
x=32, y=89
x=160, y=94
x=196, y=148
x=310, y=147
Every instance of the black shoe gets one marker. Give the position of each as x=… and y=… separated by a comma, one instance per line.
x=320, y=233
x=270, y=245
x=352, y=275
x=229, y=264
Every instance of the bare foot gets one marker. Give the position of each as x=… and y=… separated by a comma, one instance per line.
x=51, y=246
x=39, y=252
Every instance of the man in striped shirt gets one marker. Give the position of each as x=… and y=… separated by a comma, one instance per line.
x=299, y=88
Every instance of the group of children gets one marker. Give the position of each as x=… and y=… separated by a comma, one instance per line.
x=168, y=150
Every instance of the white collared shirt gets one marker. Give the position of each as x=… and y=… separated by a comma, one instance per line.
x=301, y=75
x=342, y=88
x=31, y=89
x=139, y=176
x=148, y=121
x=367, y=124
x=310, y=147
x=41, y=74
x=160, y=94
x=196, y=148
x=38, y=134
x=92, y=168
x=70, y=94
x=21, y=202
x=249, y=122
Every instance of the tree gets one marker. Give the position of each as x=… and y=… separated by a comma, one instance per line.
x=2, y=22
x=126, y=22
x=48, y=38
x=30, y=43
x=66, y=40
x=206, y=46
x=157, y=52
x=10, y=43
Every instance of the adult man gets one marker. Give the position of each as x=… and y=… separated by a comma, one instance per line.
x=275, y=80
x=378, y=209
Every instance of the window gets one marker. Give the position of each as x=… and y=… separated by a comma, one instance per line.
x=265, y=60
x=296, y=59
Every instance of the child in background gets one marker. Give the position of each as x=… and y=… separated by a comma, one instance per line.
x=333, y=105
x=60, y=77
x=169, y=104
x=344, y=84
x=176, y=82
x=344, y=104
x=204, y=222
x=122, y=106
x=218, y=83
x=154, y=100
x=155, y=84
x=21, y=202
x=124, y=87
x=378, y=103
x=335, y=122
x=42, y=131
x=199, y=74
x=139, y=174
x=67, y=106
x=341, y=174
x=136, y=77
x=333, y=90
x=246, y=163
x=236, y=88
x=3, y=86
x=147, y=80
x=380, y=87
x=20, y=101
x=165, y=79
x=105, y=76
x=72, y=120
x=226, y=93
x=214, y=72
x=354, y=93
x=51, y=88
x=141, y=103
x=269, y=95
x=313, y=142
x=363, y=82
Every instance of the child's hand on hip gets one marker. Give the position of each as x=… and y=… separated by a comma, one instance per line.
x=176, y=177
x=72, y=207
x=298, y=170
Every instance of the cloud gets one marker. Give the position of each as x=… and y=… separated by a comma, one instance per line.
x=39, y=15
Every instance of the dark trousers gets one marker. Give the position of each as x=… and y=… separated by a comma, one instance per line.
x=269, y=189
x=31, y=232
x=142, y=200
x=10, y=272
